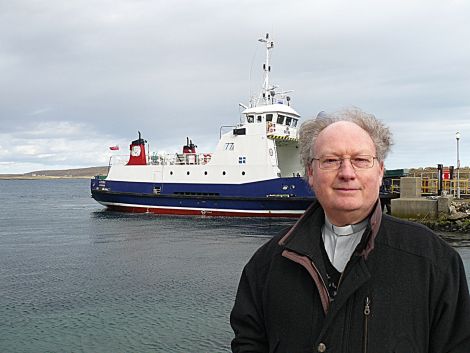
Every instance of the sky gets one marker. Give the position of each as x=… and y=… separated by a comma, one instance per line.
x=79, y=76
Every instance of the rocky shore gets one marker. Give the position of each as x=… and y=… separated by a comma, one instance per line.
x=457, y=221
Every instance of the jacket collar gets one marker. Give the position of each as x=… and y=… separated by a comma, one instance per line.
x=375, y=220
x=301, y=240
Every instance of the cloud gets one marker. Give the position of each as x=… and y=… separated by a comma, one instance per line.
x=80, y=75
x=62, y=145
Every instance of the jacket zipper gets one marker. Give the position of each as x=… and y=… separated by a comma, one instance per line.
x=366, y=324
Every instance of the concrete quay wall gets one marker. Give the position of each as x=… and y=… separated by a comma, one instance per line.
x=414, y=208
x=412, y=205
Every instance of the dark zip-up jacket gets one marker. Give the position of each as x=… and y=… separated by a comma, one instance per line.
x=404, y=290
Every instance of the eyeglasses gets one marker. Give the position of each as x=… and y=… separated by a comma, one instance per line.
x=362, y=161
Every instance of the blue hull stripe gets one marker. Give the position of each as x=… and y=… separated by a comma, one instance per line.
x=294, y=186
x=276, y=196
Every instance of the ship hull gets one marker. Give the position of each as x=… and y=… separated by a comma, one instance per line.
x=272, y=198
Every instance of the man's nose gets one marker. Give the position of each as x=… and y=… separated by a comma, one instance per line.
x=346, y=169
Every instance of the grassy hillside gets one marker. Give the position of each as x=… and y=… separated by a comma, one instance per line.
x=63, y=173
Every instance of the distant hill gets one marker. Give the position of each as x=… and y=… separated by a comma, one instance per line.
x=63, y=173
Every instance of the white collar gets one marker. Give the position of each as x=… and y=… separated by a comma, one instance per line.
x=340, y=242
x=347, y=229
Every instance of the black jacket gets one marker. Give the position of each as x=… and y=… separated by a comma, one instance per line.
x=403, y=291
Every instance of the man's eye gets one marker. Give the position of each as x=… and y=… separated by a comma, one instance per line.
x=331, y=160
x=362, y=162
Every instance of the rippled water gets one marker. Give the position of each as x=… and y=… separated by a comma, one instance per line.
x=75, y=278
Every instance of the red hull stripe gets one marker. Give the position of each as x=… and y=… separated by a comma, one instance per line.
x=202, y=212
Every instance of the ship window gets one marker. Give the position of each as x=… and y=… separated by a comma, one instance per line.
x=242, y=160
x=189, y=193
x=250, y=118
x=269, y=117
x=294, y=122
x=280, y=119
x=243, y=173
x=205, y=173
x=259, y=118
x=223, y=173
x=187, y=173
x=288, y=121
x=171, y=173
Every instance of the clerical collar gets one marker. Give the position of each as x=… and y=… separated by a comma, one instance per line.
x=347, y=229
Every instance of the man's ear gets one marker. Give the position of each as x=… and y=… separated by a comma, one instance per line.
x=309, y=170
x=310, y=175
x=382, y=172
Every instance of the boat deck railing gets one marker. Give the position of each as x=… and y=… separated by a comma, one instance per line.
x=180, y=159
x=167, y=159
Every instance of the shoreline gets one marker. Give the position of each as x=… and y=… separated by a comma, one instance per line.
x=44, y=177
x=75, y=173
x=457, y=221
x=446, y=225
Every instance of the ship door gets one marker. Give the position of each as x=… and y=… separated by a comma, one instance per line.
x=157, y=176
x=273, y=154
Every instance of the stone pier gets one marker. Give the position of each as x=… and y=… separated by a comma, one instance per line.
x=412, y=205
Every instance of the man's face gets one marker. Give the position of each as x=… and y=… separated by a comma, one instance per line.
x=347, y=195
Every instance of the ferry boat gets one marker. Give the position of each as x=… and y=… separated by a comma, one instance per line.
x=254, y=171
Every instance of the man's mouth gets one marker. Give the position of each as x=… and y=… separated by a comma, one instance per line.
x=346, y=189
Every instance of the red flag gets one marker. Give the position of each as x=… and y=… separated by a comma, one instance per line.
x=114, y=148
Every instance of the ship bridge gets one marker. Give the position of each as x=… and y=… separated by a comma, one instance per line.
x=279, y=123
x=281, y=120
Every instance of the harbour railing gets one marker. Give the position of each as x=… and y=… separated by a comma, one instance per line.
x=430, y=186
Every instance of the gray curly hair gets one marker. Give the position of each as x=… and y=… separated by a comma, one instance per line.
x=310, y=129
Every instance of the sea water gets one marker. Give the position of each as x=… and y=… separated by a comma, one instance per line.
x=77, y=278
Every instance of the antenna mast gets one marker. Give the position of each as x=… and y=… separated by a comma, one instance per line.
x=266, y=89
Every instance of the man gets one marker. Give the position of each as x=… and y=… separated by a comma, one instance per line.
x=345, y=277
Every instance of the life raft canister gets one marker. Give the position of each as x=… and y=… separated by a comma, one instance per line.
x=207, y=157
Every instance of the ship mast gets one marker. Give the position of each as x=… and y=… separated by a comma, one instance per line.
x=268, y=94
x=267, y=91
